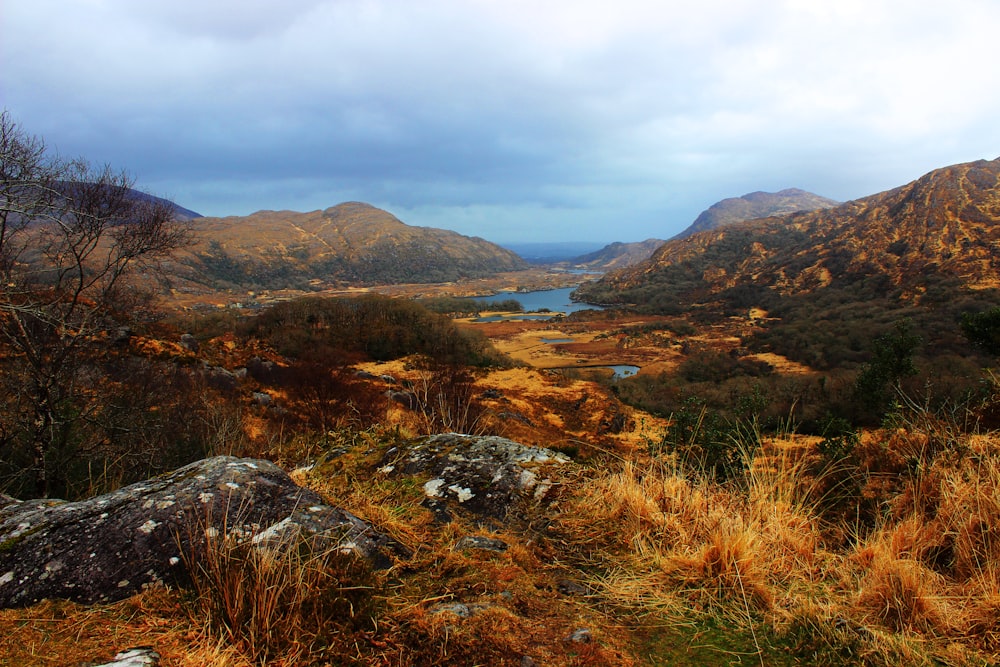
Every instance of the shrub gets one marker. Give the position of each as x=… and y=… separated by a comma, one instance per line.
x=276, y=601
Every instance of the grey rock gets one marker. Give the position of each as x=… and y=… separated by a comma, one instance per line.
x=142, y=656
x=480, y=543
x=567, y=587
x=189, y=342
x=111, y=546
x=405, y=398
x=122, y=335
x=483, y=475
x=456, y=608
x=459, y=609
x=580, y=636
x=262, y=398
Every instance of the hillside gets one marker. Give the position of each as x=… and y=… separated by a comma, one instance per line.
x=350, y=243
x=942, y=226
x=756, y=205
x=816, y=286
x=617, y=255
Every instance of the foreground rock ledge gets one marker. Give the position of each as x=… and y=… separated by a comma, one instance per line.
x=487, y=476
x=109, y=547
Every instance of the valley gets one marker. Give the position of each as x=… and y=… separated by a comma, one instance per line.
x=320, y=446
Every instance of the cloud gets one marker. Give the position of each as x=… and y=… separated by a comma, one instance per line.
x=616, y=121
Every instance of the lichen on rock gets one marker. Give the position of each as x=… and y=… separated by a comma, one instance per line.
x=486, y=476
x=109, y=547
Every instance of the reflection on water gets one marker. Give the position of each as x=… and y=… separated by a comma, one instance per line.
x=501, y=318
x=551, y=301
x=624, y=370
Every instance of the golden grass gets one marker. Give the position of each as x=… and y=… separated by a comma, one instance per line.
x=924, y=581
x=654, y=543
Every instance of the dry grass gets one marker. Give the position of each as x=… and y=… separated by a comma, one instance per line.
x=654, y=544
x=57, y=634
x=277, y=604
x=923, y=582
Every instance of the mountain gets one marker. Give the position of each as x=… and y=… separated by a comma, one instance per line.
x=721, y=214
x=551, y=252
x=756, y=205
x=939, y=228
x=352, y=243
x=180, y=213
x=617, y=255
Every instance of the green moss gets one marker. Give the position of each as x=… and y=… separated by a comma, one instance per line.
x=8, y=545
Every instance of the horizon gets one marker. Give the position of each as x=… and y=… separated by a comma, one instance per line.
x=513, y=123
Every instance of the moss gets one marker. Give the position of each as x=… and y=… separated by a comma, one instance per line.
x=8, y=545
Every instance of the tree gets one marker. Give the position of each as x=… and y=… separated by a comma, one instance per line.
x=983, y=330
x=891, y=362
x=72, y=239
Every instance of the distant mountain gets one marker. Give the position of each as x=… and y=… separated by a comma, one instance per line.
x=352, y=243
x=756, y=205
x=181, y=213
x=551, y=252
x=943, y=228
x=617, y=255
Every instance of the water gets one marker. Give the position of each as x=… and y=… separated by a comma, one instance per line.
x=554, y=300
x=555, y=341
x=505, y=318
x=624, y=370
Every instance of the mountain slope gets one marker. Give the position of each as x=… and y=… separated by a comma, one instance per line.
x=941, y=226
x=756, y=205
x=352, y=243
x=617, y=255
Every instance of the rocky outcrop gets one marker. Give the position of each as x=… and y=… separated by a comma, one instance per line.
x=107, y=548
x=486, y=476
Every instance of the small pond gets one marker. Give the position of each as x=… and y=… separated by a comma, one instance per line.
x=623, y=370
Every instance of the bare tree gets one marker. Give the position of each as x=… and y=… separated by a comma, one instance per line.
x=72, y=239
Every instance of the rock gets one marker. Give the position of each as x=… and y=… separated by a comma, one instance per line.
x=580, y=636
x=483, y=475
x=221, y=378
x=480, y=543
x=405, y=398
x=262, y=398
x=109, y=547
x=262, y=370
x=122, y=335
x=567, y=587
x=143, y=656
x=189, y=342
x=456, y=608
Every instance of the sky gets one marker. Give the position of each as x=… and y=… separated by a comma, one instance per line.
x=514, y=120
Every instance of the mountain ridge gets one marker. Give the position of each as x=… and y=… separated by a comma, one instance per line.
x=941, y=224
x=754, y=205
x=351, y=242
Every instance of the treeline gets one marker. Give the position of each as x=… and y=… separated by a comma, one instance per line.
x=377, y=327
x=465, y=307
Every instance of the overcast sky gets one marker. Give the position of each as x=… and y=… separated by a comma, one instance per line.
x=540, y=120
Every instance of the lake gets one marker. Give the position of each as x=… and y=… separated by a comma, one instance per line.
x=555, y=300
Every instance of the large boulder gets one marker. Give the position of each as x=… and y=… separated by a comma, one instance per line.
x=107, y=548
x=486, y=476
